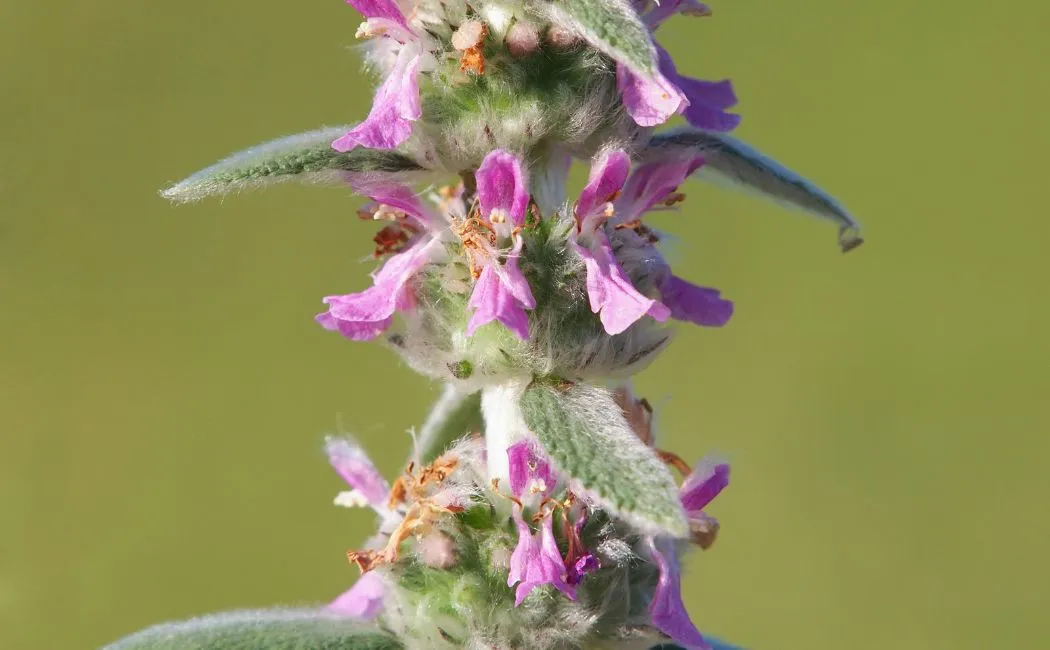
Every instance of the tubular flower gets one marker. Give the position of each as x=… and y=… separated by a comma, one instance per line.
x=609, y=290
x=501, y=293
x=536, y=560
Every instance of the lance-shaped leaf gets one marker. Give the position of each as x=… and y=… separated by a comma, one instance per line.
x=266, y=629
x=587, y=438
x=730, y=160
x=307, y=157
x=611, y=26
x=457, y=413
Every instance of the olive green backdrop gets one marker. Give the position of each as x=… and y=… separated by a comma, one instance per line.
x=164, y=391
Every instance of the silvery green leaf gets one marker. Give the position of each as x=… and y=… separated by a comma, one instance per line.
x=456, y=414
x=587, y=438
x=307, y=157
x=737, y=163
x=611, y=26
x=265, y=629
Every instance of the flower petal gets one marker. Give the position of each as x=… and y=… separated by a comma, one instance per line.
x=529, y=470
x=502, y=293
x=666, y=610
x=689, y=302
x=650, y=101
x=610, y=291
x=351, y=463
x=395, y=195
x=703, y=484
x=395, y=108
x=364, y=315
x=379, y=9
x=364, y=600
x=707, y=99
x=609, y=172
x=503, y=187
x=653, y=182
x=667, y=8
x=537, y=561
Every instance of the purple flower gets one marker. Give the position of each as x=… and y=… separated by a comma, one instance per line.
x=353, y=465
x=529, y=472
x=648, y=187
x=365, y=315
x=501, y=292
x=700, y=305
x=536, y=560
x=650, y=100
x=707, y=100
x=395, y=109
x=609, y=290
x=364, y=600
x=387, y=9
x=704, y=483
x=655, y=14
x=666, y=610
x=579, y=562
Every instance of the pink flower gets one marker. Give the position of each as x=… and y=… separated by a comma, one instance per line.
x=609, y=290
x=367, y=314
x=536, y=560
x=395, y=109
x=364, y=600
x=650, y=99
x=354, y=466
x=666, y=610
x=501, y=293
x=707, y=100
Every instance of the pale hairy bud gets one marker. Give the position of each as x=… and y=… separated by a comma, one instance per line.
x=561, y=38
x=523, y=39
x=469, y=35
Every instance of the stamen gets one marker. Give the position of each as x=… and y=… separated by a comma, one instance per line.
x=675, y=461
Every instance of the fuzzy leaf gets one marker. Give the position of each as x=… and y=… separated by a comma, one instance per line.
x=611, y=26
x=730, y=160
x=264, y=629
x=307, y=156
x=587, y=437
x=456, y=414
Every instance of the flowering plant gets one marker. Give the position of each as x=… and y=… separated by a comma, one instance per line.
x=536, y=510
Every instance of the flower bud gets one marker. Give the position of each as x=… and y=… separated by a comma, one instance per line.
x=522, y=39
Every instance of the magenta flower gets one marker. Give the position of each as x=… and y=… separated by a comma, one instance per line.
x=354, y=466
x=702, y=306
x=364, y=600
x=651, y=101
x=395, y=109
x=536, y=560
x=704, y=483
x=703, y=103
x=396, y=106
x=609, y=290
x=648, y=187
x=501, y=292
x=365, y=315
x=707, y=100
x=666, y=610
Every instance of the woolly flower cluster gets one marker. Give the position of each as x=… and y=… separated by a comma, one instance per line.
x=465, y=561
x=537, y=512
x=495, y=252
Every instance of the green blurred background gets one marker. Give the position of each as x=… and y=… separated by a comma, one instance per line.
x=164, y=391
